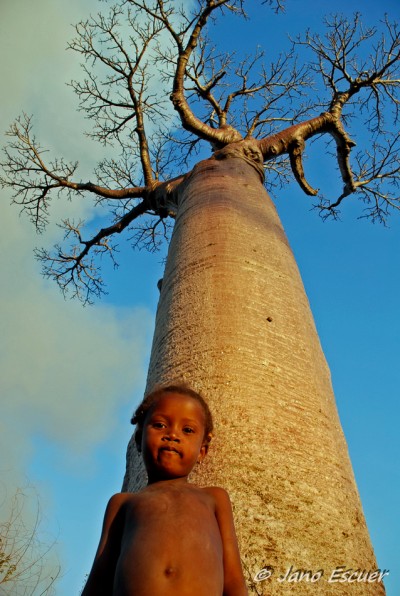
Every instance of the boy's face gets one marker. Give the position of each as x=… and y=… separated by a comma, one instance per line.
x=173, y=437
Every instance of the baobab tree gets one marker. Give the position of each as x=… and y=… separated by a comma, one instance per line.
x=233, y=319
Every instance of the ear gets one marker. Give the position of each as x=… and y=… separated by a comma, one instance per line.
x=204, y=448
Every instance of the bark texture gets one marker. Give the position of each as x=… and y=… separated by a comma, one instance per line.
x=234, y=321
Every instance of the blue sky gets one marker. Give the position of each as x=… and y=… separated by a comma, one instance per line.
x=71, y=376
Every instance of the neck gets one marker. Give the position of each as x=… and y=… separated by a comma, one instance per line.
x=174, y=481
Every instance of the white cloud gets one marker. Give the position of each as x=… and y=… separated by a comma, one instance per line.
x=65, y=371
x=57, y=358
x=60, y=363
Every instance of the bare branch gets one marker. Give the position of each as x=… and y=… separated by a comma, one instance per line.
x=262, y=97
x=347, y=69
x=152, y=235
x=291, y=141
x=362, y=82
x=77, y=270
x=33, y=181
x=376, y=180
x=206, y=72
x=24, y=556
x=121, y=97
x=219, y=136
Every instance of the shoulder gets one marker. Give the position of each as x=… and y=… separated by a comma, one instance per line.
x=216, y=491
x=219, y=495
x=118, y=500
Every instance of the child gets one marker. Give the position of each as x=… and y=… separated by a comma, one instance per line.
x=172, y=537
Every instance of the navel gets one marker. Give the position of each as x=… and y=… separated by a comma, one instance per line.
x=170, y=571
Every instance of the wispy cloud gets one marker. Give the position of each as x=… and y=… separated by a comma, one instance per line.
x=64, y=371
x=60, y=365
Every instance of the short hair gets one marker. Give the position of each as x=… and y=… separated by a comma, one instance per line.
x=151, y=398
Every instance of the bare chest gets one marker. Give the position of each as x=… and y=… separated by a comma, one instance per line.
x=170, y=507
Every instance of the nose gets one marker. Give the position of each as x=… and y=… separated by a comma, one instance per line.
x=171, y=435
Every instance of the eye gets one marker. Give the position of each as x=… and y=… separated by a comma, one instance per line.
x=188, y=430
x=158, y=425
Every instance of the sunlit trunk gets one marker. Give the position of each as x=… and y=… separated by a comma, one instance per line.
x=234, y=321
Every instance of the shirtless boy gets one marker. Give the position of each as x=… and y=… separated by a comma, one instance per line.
x=172, y=537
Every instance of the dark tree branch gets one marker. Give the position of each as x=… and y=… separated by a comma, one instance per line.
x=379, y=166
x=33, y=181
x=121, y=97
x=219, y=136
x=292, y=142
x=74, y=269
x=77, y=270
x=371, y=85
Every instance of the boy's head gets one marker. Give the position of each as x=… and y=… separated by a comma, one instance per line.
x=174, y=426
x=151, y=399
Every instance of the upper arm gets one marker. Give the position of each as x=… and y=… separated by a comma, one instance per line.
x=234, y=584
x=101, y=577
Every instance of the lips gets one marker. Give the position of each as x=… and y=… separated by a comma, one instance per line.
x=170, y=450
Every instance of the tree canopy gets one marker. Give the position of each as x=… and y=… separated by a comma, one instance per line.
x=268, y=107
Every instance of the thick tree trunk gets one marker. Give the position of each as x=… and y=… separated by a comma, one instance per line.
x=234, y=321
